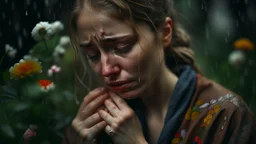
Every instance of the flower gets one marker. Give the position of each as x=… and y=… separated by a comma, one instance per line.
x=244, y=44
x=64, y=41
x=236, y=58
x=208, y=119
x=41, y=31
x=57, y=26
x=216, y=108
x=194, y=115
x=59, y=51
x=46, y=85
x=53, y=69
x=11, y=52
x=26, y=67
x=179, y=137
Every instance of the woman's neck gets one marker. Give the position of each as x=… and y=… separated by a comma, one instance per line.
x=157, y=97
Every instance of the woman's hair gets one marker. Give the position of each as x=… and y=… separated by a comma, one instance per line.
x=151, y=12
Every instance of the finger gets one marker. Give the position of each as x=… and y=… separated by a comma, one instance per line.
x=92, y=132
x=112, y=108
x=109, y=130
x=121, y=104
x=92, y=120
x=106, y=117
x=91, y=96
x=93, y=106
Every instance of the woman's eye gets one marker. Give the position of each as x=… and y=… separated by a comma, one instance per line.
x=123, y=48
x=93, y=57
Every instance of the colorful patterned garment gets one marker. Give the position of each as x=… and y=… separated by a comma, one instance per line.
x=200, y=112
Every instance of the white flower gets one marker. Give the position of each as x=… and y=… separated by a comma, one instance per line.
x=213, y=101
x=53, y=69
x=41, y=31
x=11, y=52
x=57, y=26
x=59, y=51
x=64, y=41
x=236, y=58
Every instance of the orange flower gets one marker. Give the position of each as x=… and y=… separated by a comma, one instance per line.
x=46, y=85
x=26, y=67
x=244, y=44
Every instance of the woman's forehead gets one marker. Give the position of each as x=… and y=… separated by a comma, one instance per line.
x=94, y=23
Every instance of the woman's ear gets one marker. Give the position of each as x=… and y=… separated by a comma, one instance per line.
x=166, y=32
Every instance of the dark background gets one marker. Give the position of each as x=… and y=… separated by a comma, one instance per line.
x=214, y=25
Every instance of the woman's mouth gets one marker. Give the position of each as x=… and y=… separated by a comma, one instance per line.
x=121, y=86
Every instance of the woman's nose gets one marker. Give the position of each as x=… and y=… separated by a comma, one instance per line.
x=109, y=66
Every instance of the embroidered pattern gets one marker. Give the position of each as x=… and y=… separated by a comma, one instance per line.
x=194, y=112
x=179, y=137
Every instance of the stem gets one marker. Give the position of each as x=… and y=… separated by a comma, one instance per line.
x=2, y=58
x=46, y=44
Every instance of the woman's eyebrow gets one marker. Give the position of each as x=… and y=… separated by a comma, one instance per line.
x=108, y=38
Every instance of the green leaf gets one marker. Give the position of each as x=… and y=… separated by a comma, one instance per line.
x=21, y=107
x=8, y=131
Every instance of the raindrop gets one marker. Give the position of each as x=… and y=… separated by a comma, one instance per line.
x=242, y=81
x=38, y=15
x=6, y=1
x=10, y=22
x=28, y=2
x=35, y=6
x=25, y=32
x=226, y=39
x=246, y=1
x=16, y=27
x=46, y=2
x=246, y=72
x=189, y=3
x=20, y=42
x=13, y=6
x=3, y=16
x=207, y=33
x=237, y=23
x=26, y=13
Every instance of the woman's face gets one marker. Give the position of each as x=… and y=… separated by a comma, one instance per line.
x=127, y=63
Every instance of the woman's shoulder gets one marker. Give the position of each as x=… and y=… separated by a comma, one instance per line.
x=217, y=114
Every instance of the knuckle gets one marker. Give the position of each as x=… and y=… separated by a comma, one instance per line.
x=85, y=134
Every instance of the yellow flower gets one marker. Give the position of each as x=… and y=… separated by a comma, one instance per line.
x=216, y=108
x=26, y=67
x=199, y=102
x=244, y=44
x=176, y=141
x=208, y=120
x=194, y=115
x=188, y=114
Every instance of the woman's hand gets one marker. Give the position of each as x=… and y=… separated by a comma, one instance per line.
x=123, y=126
x=87, y=122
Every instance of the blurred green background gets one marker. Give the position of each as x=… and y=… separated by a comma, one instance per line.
x=214, y=27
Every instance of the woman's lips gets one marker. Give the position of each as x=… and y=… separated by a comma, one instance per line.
x=121, y=87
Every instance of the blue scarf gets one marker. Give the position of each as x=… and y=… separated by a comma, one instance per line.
x=178, y=105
